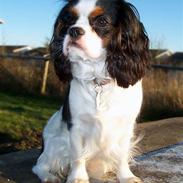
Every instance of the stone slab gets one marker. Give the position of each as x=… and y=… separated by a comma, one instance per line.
x=161, y=166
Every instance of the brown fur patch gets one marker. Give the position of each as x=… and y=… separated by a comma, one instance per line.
x=74, y=11
x=106, y=41
x=58, y=28
x=96, y=12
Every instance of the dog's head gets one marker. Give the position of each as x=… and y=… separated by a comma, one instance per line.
x=101, y=29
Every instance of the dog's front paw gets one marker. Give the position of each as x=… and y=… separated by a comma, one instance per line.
x=51, y=179
x=134, y=180
x=78, y=181
x=55, y=181
x=130, y=180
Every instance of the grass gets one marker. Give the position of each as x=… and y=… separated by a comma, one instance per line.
x=22, y=118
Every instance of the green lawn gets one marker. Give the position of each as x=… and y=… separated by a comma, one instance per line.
x=22, y=118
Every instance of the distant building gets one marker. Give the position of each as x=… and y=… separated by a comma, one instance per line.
x=23, y=50
x=8, y=49
x=39, y=51
x=160, y=55
x=176, y=59
x=166, y=57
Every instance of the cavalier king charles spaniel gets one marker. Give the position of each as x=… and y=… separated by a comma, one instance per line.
x=100, y=49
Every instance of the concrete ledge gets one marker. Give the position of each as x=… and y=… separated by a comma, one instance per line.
x=157, y=166
x=161, y=166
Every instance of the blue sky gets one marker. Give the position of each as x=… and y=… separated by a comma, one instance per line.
x=30, y=22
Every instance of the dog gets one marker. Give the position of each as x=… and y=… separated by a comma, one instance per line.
x=100, y=50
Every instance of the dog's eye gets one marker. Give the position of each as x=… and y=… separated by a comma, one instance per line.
x=102, y=21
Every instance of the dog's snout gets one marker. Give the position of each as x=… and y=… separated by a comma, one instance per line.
x=76, y=32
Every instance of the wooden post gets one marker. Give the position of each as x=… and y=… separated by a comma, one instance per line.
x=45, y=76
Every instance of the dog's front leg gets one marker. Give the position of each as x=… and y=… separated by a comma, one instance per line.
x=124, y=173
x=78, y=173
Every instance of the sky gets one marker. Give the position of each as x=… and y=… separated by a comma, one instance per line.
x=30, y=22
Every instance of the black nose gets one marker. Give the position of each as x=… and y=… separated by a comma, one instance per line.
x=76, y=32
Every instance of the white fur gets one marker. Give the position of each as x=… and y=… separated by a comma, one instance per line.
x=103, y=116
x=54, y=159
x=85, y=7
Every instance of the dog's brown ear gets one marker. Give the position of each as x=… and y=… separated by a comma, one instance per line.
x=128, y=56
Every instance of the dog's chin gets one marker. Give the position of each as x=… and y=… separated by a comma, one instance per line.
x=77, y=53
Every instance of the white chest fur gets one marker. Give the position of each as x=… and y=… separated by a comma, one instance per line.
x=86, y=97
x=106, y=112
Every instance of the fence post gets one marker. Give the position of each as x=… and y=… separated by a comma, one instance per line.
x=45, y=76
